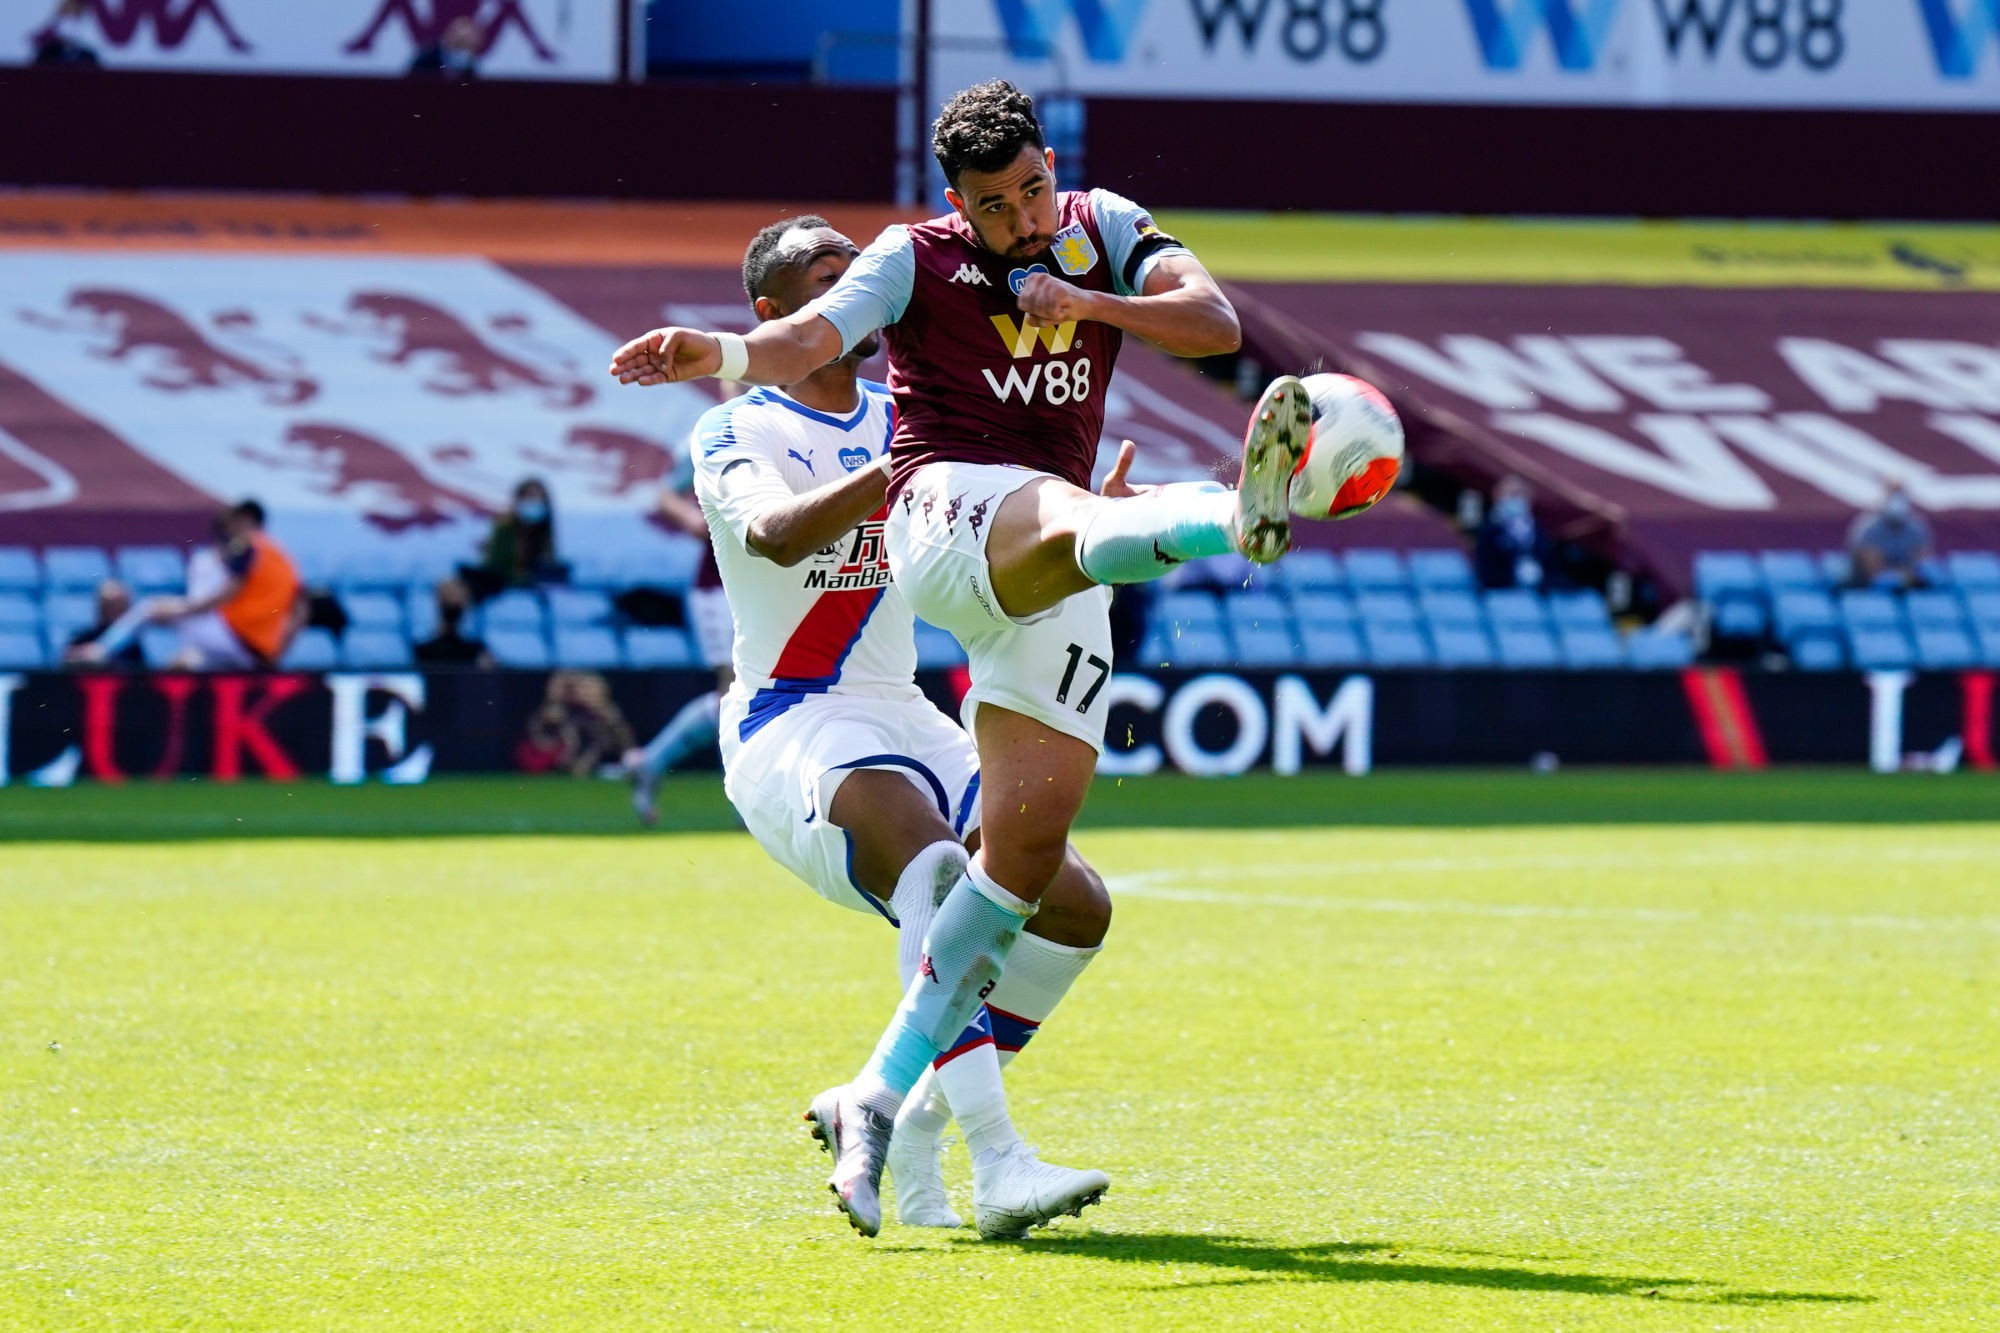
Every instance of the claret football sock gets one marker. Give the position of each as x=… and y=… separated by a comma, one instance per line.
x=1145, y=537
x=964, y=953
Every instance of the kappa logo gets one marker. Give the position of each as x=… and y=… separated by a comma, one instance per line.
x=1506, y=28
x=1020, y=339
x=426, y=25
x=971, y=275
x=978, y=515
x=1106, y=26
x=1073, y=251
x=951, y=510
x=171, y=24
x=1958, y=42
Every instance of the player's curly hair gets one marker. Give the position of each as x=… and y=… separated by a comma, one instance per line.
x=984, y=129
x=761, y=259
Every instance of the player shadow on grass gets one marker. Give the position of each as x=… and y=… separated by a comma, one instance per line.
x=1383, y=1261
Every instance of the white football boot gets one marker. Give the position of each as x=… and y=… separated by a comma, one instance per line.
x=645, y=787
x=858, y=1138
x=1273, y=447
x=1018, y=1192
x=916, y=1164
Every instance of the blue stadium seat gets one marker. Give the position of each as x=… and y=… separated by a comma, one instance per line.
x=1870, y=609
x=515, y=610
x=1314, y=569
x=69, y=611
x=1975, y=571
x=22, y=650
x=149, y=569
x=1591, y=647
x=1526, y=648
x=1516, y=608
x=374, y=650
x=1983, y=607
x=159, y=645
x=1266, y=646
x=1945, y=649
x=1322, y=608
x=75, y=567
x=1796, y=613
x=653, y=647
x=1988, y=637
x=1331, y=646
x=1721, y=574
x=19, y=613
x=1659, y=650
x=587, y=647
x=1387, y=609
x=1257, y=610
x=937, y=650
x=578, y=606
x=1370, y=569
x=1933, y=608
x=1461, y=645
x=1881, y=649
x=1818, y=651
x=1451, y=609
x=1227, y=573
x=1442, y=570
x=374, y=564
x=1396, y=645
x=1740, y=618
x=1579, y=608
x=20, y=569
x=1197, y=647
x=372, y=609
x=1784, y=570
x=311, y=649
x=420, y=611
x=1834, y=567
x=518, y=648
x=1187, y=610
x=670, y=564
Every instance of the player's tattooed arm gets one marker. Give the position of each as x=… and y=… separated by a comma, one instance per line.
x=787, y=531
x=1181, y=311
x=781, y=351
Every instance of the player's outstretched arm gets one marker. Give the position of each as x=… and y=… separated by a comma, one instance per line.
x=780, y=351
x=1181, y=311
x=789, y=531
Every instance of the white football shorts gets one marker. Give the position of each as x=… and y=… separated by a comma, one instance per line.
x=713, y=624
x=1052, y=666
x=782, y=780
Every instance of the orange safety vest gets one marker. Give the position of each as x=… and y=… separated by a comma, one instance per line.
x=262, y=608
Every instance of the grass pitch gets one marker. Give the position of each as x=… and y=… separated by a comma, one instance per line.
x=1565, y=1072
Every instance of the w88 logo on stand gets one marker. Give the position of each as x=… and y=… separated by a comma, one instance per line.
x=1305, y=30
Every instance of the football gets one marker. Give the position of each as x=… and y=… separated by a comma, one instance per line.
x=1355, y=452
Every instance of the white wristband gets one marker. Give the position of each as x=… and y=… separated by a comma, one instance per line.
x=735, y=356
x=885, y=463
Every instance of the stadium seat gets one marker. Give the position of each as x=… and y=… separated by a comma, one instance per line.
x=151, y=569
x=651, y=647
x=1187, y=610
x=1194, y=647
x=1461, y=645
x=1441, y=571
x=578, y=606
x=587, y=647
x=1516, y=608
x=1451, y=609
x=1590, y=647
x=1818, y=651
x=311, y=649
x=75, y=567
x=1723, y=574
x=1579, y=608
x=1785, y=570
x=1869, y=609
x=1373, y=570
x=1796, y=613
x=1226, y=573
x=1387, y=609
x=374, y=564
x=20, y=569
x=372, y=609
x=1257, y=610
x=1322, y=608
x=1834, y=567
x=1524, y=647
x=516, y=610
x=1266, y=646
x=1975, y=571
x=420, y=611
x=1659, y=650
x=518, y=648
x=1988, y=638
x=1945, y=649
x=937, y=650
x=22, y=650
x=1932, y=608
x=670, y=563
x=159, y=645
x=1314, y=569
x=1396, y=645
x=374, y=650
x=69, y=611
x=1331, y=646
x=1983, y=607
x=19, y=613
x=1881, y=649
x=1739, y=618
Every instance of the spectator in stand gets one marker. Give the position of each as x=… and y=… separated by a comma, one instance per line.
x=1891, y=546
x=521, y=550
x=455, y=55
x=1509, y=551
x=60, y=42
x=451, y=646
x=244, y=603
x=114, y=599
